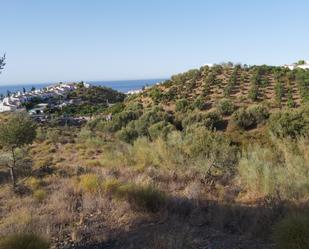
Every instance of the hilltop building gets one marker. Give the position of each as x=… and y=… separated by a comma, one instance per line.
x=300, y=64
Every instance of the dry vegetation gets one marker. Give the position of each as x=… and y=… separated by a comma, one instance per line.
x=163, y=180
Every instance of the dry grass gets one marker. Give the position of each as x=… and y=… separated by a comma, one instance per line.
x=127, y=185
x=284, y=171
x=90, y=183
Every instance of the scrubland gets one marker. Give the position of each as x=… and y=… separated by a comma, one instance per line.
x=164, y=175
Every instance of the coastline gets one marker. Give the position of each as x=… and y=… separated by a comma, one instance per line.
x=119, y=85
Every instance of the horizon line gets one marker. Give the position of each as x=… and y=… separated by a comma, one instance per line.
x=76, y=81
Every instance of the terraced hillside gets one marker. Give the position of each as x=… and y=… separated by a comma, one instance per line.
x=277, y=87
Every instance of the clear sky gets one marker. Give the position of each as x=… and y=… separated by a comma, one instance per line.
x=63, y=40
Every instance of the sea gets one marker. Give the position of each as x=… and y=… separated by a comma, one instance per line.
x=119, y=85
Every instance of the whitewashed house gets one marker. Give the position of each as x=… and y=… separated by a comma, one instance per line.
x=304, y=66
x=297, y=65
x=4, y=107
x=15, y=101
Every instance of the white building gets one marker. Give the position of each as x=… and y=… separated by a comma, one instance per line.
x=14, y=102
x=86, y=85
x=305, y=65
x=6, y=107
x=134, y=91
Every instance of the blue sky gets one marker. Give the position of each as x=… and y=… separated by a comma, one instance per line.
x=64, y=40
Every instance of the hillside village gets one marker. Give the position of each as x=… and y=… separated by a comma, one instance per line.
x=17, y=101
x=53, y=96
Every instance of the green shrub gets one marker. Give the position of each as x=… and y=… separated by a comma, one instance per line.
x=160, y=129
x=205, y=148
x=260, y=113
x=206, y=90
x=302, y=80
x=116, y=108
x=290, y=123
x=90, y=183
x=96, y=95
x=212, y=120
x=155, y=94
x=33, y=183
x=208, y=120
x=39, y=195
x=134, y=107
x=142, y=198
x=290, y=102
x=199, y=103
x=231, y=83
x=280, y=169
x=264, y=83
x=225, y=107
x=181, y=105
x=81, y=109
x=243, y=119
x=145, y=153
x=127, y=134
x=119, y=121
x=191, y=119
x=196, y=147
x=41, y=134
x=53, y=135
x=292, y=232
x=110, y=186
x=211, y=79
x=23, y=241
x=301, y=62
x=149, y=118
x=116, y=154
x=253, y=92
x=279, y=89
x=85, y=134
x=256, y=171
x=250, y=117
x=169, y=95
x=228, y=90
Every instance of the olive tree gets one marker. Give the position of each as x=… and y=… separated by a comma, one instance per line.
x=18, y=131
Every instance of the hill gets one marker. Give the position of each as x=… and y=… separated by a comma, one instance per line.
x=223, y=98
x=276, y=86
x=212, y=158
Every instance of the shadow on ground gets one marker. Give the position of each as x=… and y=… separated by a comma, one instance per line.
x=185, y=224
